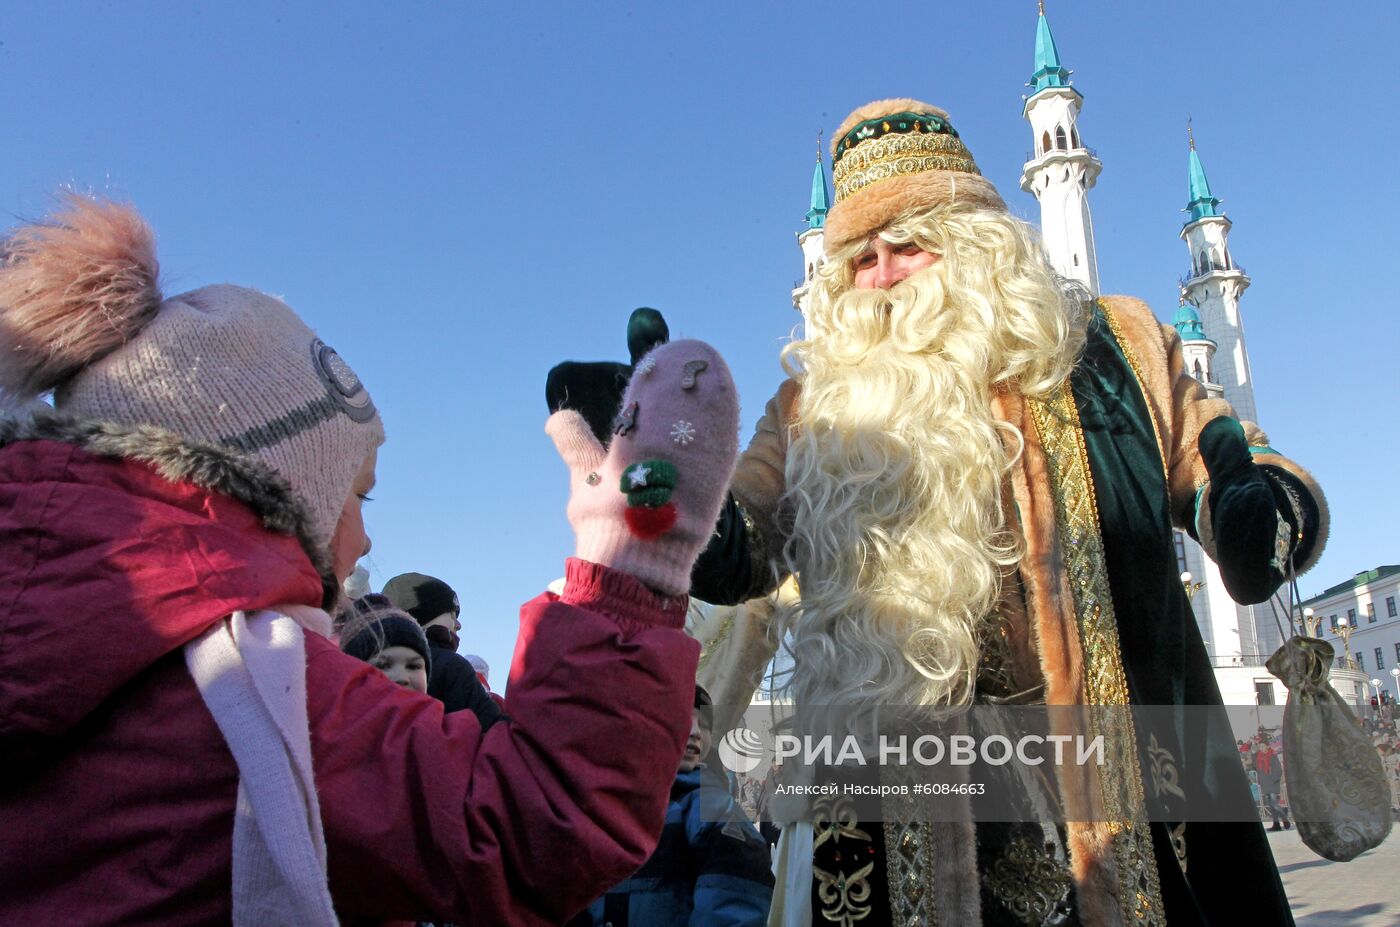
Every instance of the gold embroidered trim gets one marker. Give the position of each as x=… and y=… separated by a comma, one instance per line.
x=1057, y=423
x=909, y=865
x=710, y=649
x=899, y=154
x=842, y=899
x=1030, y=883
x=1131, y=355
x=832, y=820
x=842, y=895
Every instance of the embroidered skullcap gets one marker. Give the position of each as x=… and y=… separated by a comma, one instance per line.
x=893, y=157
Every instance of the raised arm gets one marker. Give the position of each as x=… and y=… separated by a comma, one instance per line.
x=565, y=795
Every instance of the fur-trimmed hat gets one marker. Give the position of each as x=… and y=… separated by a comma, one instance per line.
x=895, y=156
x=82, y=315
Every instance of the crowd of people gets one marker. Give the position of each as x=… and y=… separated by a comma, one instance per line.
x=974, y=468
x=1266, y=765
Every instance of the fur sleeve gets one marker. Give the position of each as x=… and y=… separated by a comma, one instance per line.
x=1179, y=405
x=1180, y=408
x=759, y=479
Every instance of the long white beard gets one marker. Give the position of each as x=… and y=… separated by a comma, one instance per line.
x=894, y=485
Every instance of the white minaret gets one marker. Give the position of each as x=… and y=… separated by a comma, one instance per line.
x=1212, y=343
x=812, y=238
x=1196, y=348
x=1061, y=171
x=1214, y=287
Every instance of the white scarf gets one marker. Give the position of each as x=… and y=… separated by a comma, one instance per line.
x=792, y=873
x=250, y=669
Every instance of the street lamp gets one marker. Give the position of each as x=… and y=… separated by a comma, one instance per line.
x=1190, y=587
x=1395, y=675
x=1312, y=622
x=1344, y=631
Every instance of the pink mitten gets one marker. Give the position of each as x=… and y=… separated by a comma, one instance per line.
x=647, y=505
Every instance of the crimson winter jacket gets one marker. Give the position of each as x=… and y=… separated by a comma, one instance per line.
x=117, y=790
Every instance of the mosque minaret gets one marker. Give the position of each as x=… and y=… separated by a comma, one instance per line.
x=1063, y=170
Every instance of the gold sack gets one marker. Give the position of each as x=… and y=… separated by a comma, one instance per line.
x=1336, y=783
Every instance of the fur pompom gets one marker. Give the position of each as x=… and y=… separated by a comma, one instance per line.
x=72, y=290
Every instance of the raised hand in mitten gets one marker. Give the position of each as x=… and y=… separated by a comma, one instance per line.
x=647, y=503
x=1253, y=524
x=594, y=389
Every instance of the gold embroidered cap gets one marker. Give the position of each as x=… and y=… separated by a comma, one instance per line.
x=896, y=156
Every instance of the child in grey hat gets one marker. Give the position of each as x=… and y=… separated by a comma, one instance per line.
x=388, y=639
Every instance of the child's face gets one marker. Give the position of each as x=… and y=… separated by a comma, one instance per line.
x=699, y=742
x=405, y=666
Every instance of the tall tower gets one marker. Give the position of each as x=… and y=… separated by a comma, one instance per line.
x=1061, y=171
x=811, y=238
x=1217, y=615
x=1212, y=343
x=1214, y=287
x=1197, y=349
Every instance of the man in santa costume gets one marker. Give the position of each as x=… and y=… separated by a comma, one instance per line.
x=974, y=473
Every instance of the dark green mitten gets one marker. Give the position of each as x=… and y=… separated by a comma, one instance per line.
x=594, y=389
x=1254, y=523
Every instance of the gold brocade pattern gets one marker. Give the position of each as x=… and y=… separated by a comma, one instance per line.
x=843, y=895
x=899, y=154
x=1061, y=436
x=909, y=866
x=1028, y=882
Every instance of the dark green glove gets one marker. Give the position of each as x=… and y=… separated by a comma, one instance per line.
x=1254, y=522
x=594, y=389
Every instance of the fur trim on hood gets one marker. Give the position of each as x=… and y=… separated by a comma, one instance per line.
x=218, y=469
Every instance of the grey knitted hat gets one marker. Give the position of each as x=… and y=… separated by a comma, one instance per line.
x=373, y=624
x=81, y=314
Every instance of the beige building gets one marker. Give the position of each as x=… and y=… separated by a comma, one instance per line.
x=1360, y=617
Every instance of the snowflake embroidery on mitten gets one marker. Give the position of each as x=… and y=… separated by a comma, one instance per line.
x=682, y=432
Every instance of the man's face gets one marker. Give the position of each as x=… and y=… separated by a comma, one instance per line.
x=447, y=620
x=699, y=743
x=881, y=265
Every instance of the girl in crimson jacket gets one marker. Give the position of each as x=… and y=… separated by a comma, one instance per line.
x=185, y=512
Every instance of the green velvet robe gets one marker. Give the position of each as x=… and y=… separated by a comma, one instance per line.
x=1228, y=867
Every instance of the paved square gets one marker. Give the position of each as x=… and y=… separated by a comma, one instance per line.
x=1362, y=893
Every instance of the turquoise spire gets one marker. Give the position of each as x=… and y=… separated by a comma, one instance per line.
x=821, y=203
x=1202, y=203
x=1188, y=324
x=1048, y=71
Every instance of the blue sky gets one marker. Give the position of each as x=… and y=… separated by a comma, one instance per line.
x=459, y=196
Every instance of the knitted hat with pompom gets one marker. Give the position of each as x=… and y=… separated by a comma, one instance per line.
x=81, y=315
